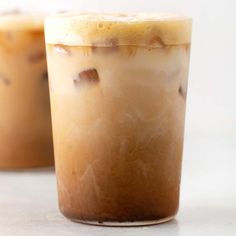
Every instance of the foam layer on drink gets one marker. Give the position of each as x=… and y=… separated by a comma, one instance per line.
x=17, y=20
x=109, y=30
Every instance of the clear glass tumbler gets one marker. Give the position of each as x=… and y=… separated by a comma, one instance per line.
x=118, y=88
x=25, y=121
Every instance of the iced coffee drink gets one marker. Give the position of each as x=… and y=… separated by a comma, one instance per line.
x=118, y=87
x=25, y=124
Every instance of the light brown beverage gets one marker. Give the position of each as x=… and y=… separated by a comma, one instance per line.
x=25, y=123
x=118, y=94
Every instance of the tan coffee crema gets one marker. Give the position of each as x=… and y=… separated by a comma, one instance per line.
x=87, y=29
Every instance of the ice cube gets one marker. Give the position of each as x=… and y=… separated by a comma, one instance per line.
x=183, y=89
x=37, y=56
x=62, y=49
x=156, y=41
x=89, y=76
x=5, y=80
x=105, y=47
x=45, y=75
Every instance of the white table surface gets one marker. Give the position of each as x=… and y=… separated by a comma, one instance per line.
x=28, y=200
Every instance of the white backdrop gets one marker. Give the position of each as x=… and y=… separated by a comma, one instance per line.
x=209, y=186
x=212, y=81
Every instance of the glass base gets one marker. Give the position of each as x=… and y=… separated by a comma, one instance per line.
x=124, y=224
